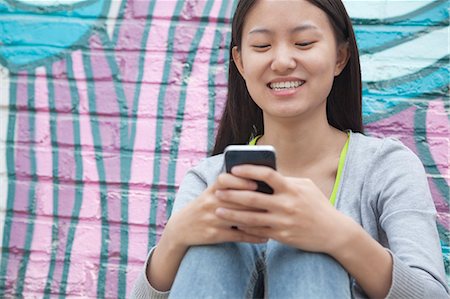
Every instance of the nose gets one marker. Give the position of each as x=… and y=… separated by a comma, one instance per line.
x=283, y=60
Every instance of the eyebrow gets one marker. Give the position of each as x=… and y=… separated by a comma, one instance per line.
x=293, y=30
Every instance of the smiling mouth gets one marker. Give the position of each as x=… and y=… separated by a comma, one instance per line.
x=285, y=85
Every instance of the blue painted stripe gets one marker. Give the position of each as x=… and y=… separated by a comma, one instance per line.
x=388, y=97
x=118, y=24
x=53, y=7
x=372, y=39
x=176, y=134
x=22, y=53
x=96, y=136
x=212, y=73
x=137, y=91
x=374, y=35
x=428, y=15
x=55, y=179
x=125, y=161
x=424, y=81
x=127, y=142
x=32, y=190
x=228, y=40
x=420, y=138
x=426, y=157
x=79, y=184
x=154, y=197
x=11, y=170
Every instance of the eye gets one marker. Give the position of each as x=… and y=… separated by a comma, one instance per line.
x=304, y=44
x=263, y=46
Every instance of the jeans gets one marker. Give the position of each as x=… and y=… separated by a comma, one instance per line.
x=271, y=270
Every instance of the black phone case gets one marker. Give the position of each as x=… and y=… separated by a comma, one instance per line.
x=264, y=158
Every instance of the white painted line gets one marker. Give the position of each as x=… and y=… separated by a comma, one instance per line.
x=4, y=112
x=406, y=58
x=50, y=2
x=113, y=14
x=378, y=9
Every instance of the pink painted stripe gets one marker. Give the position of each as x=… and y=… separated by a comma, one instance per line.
x=66, y=163
x=441, y=205
x=221, y=73
x=406, y=120
x=213, y=15
x=42, y=236
x=194, y=132
x=438, y=125
x=127, y=54
x=143, y=158
x=194, y=136
x=109, y=126
x=82, y=279
x=182, y=41
x=22, y=186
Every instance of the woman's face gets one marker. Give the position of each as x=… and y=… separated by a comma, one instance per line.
x=289, y=57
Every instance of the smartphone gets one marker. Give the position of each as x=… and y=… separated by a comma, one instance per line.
x=251, y=154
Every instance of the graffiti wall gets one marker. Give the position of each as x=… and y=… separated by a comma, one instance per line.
x=104, y=105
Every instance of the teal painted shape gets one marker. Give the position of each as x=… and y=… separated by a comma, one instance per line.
x=431, y=14
x=383, y=98
x=30, y=35
x=389, y=97
x=372, y=40
x=378, y=35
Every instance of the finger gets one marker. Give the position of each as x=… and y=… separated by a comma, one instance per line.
x=229, y=181
x=250, y=199
x=262, y=232
x=260, y=173
x=236, y=235
x=245, y=218
x=237, y=206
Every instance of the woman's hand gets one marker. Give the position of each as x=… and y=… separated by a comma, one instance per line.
x=297, y=214
x=198, y=224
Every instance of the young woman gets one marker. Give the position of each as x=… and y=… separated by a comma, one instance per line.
x=350, y=215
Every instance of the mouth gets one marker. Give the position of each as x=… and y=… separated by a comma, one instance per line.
x=286, y=85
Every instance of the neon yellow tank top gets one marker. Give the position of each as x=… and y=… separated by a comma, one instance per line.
x=339, y=170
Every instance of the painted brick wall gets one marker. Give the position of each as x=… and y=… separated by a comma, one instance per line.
x=104, y=105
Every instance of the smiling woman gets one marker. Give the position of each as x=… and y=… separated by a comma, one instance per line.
x=350, y=216
x=289, y=66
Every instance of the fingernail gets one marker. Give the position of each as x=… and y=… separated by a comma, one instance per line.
x=235, y=170
x=219, y=194
x=220, y=211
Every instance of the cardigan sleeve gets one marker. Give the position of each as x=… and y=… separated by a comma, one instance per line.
x=143, y=289
x=407, y=216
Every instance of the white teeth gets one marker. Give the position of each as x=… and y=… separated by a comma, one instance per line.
x=286, y=85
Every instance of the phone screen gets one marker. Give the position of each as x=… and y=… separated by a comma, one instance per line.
x=251, y=154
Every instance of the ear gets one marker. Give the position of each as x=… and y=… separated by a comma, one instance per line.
x=238, y=61
x=343, y=55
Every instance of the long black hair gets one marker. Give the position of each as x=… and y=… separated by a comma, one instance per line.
x=242, y=118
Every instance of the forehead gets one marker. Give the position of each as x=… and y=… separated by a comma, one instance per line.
x=285, y=15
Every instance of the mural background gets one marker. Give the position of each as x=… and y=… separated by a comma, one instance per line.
x=106, y=104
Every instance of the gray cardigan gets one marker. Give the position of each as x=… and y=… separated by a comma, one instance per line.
x=384, y=188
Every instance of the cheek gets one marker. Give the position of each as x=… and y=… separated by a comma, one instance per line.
x=322, y=62
x=320, y=69
x=321, y=65
x=254, y=71
x=252, y=66
x=255, y=89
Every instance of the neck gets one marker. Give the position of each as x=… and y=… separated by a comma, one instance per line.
x=301, y=145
